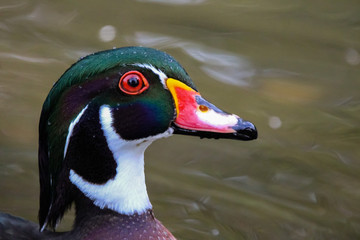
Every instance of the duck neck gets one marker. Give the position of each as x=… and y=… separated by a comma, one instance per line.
x=126, y=192
x=86, y=210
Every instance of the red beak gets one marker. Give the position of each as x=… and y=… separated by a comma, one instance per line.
x=196, y=116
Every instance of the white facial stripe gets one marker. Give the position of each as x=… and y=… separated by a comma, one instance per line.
x=161, y=75
x=71, y=128
x=217, y=119
x=126, y=193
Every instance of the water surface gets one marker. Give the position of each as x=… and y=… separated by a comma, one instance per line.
x=291, y=67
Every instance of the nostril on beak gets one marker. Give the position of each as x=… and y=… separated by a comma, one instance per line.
x=203, y=108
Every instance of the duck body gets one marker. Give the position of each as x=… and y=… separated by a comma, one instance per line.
x=95, y=126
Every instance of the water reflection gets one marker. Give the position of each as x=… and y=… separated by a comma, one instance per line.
x=40, y=14
x=175, y=2
x=223, y=66
x=29, y=59
x=107, y=33
x=352, y=56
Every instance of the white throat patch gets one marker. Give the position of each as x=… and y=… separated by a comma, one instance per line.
x=126, y=192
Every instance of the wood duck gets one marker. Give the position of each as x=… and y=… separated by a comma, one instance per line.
x=95, y=125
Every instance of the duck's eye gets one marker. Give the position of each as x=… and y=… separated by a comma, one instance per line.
x=133, y=83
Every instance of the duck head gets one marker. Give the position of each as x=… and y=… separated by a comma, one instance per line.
x=103, y=113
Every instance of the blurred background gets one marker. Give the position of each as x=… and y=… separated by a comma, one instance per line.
x=290, y=67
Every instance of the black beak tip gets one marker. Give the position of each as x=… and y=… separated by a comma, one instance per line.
x=246, y=130
x=251, y=133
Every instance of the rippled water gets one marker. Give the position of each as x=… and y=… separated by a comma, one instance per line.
x=291, y=67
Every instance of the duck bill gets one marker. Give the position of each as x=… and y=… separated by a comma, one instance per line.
x=198, y=117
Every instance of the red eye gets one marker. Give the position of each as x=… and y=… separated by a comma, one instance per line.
x=133, y=83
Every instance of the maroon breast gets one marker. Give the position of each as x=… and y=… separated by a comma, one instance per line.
x=121, y=227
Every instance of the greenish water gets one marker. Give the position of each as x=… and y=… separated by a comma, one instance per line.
x=290, y=67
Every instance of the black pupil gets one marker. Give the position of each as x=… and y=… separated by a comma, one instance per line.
x=133, y=82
